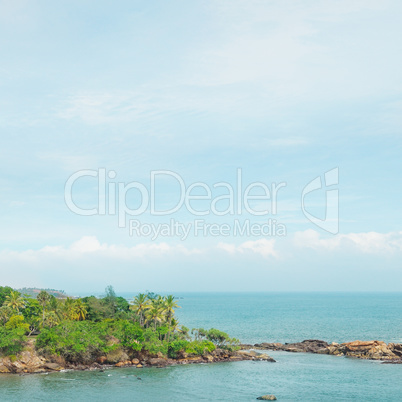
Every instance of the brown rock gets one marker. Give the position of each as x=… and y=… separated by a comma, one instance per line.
x=135, y=361
x=267, y=398
x=116, y=356
x=156, y=361
x=3, y=368
x=139, y=366
x=307, y=346
x=235, y=358
x=396, y=348
x=123, y=364
x=182, y=355
x=265, y=357
x=375, y=350
x=101, y=360
x=209, y=358
x=248, y=353
x=253, y=355
x=53, y=366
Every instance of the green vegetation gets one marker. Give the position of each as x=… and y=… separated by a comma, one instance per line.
x=11, y=340
x=84, y=329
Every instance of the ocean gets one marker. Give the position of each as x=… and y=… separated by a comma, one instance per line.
x=251, y=317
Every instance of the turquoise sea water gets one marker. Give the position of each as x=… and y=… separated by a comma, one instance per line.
x=292, y=317
x=252, y=318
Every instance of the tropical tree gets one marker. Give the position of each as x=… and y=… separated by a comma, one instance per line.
x=50, y=319
x=15, y=301
x=43, y=299
x=68, y=309
x=110, y=298
x=5, y=314
x=169, y=306
x=32, y=313
x=4, y=292
x=175, y=326
x=155, y=312
x=184, y=332
x=80, y=310
x=56, y=306
x=199, y=333
x=139, y=305
x=97, y=310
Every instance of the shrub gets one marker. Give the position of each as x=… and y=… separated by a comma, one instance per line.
x=153, y=344
x=130, y=335
x=222, y=340
x=85, y=341
x=76, y=341
x=200, y=348
x=176, y=347
x=12, y=341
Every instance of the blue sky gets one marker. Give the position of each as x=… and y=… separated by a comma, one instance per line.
x=285, y=91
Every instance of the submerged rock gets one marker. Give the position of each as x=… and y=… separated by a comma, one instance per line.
x=267, y=398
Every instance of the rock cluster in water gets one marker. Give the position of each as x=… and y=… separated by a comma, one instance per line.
x=374, y=350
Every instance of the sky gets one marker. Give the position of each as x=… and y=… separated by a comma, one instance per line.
x=98, y=97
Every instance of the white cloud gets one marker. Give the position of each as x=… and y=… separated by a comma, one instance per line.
x=263, y=247
x=368, y=243
x=174, y=266
x=89, y=246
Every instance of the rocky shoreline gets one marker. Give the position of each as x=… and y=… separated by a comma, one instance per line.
x=29, y=362
x=390, y=353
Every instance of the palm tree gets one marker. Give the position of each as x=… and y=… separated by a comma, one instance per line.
x=43, y=299
x=174, y=325
x=68, y=309
x=155, y=312
x=5, y=314
x=51, y=319
x=139, y=305
x=15, y=301
x=170, y=305
x=56, y=306
x=80, y=310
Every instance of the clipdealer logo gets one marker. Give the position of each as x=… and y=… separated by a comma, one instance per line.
x=257, y=200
